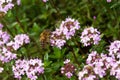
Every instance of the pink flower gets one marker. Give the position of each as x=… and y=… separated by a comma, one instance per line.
x=6, y=5
x=114, y=49
x=68, y=69
x=1, y=69
x=87, y=73
x=18, y=2
x=6, y=55
x=66, y=61
x=97, y=67
x=94, y=17
x=32, y=68
x=65, y=32
x=69, y=27
x=57, y=39
x=108, y=1
x=45, y=0
x=69, y=74
x=1, y=26
x=19, y=40
x=90, y=36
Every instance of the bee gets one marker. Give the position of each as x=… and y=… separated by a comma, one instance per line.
x=45, y=38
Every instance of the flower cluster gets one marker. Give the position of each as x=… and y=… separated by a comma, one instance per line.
x=19, y=40
x=90, y=36
x=114, y=52
x=6, y=5
x=7, y=46
x=98, y=65
x=65, y=32
x=57, y=39
x=87, y=73
x=69, y=27
x=101, y=63
x=4, y=38
x=115, y=69
x=68, y=69
x=5, y=53
x=32, y=68
x=114, y=49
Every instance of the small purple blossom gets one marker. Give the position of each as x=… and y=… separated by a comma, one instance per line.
x=1, y=26
x=114, y=52
x=8, y=47
x=66, y=61
x=114, y=49
x=90, y=36
x=19, y=40
x=32, y=68
x=98, y=62
x=69, y=74
x=6, y=5
x=6, y=55
x=57, y=39
x=69, y=27
x=65, y=32
x=97, y=66
x=4, y=38
x=87, y=73
x=94, y=17
x=68, y=69
x=92, y=57
x=18, y=2
x=109, y=1
x=45, y=0
x=115, y=69
x=1, y=69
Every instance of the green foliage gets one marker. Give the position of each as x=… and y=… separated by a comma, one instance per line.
x=34, y=16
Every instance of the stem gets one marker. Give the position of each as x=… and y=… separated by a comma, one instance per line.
x=75, y=57
x=77, y=43
x=37, y=45
x=43, y=76
x=18, y=21
x=10, y=32
x=53, y=5
x=73, y=54
x=81, y=51
x=22, y=27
